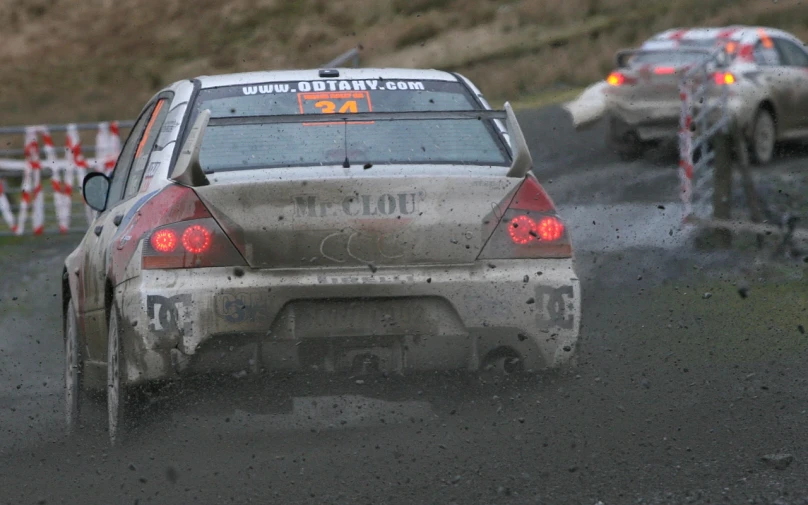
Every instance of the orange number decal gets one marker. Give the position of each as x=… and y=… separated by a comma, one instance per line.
x=326, y=107
x=349, y=106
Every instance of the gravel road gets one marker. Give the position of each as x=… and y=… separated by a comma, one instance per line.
x=679, y=397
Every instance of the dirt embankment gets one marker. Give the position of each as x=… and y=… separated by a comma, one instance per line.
x=99, y=59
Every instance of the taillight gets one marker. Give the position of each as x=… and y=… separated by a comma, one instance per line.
x=196, y=239
x=620, y=79
x=550, y=229
x=178, y=231
x=196, y=243
x=664, y=70
x=164, y=241
x=616, y=79
x=529, y=228
x=724, y=78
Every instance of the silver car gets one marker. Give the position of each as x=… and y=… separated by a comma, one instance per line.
x=767, y=73
x=337, y=220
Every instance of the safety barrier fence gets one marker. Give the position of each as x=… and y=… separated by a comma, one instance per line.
x=711, y=145
x=31, y=206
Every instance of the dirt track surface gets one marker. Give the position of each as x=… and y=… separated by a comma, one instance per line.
x=683, y=386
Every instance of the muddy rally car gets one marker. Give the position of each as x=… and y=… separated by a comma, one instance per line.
x=338, y=220
x=765, y=69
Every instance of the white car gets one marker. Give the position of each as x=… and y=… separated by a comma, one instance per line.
x=767, y=75
x=332, y=220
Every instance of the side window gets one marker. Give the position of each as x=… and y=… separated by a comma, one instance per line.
x=145, y=146
x=766, y=55
x=793, y=55
x=121, y=172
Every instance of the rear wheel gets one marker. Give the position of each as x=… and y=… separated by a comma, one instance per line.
x=764, y=132
x=624, y=141
x=73, y=388
x=122, y=399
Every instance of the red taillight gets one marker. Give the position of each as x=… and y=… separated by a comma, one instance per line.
x=196, y=239
x=522, y=229
x=178, y=232
x=197, y=243
x=164, y=241
x=531, y=196
x=529, y=228
x=664, y=70
x=616, y=79
x=550, y=229
x=724, y=78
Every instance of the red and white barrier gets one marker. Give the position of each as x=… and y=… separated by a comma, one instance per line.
x=32, y=197
x=62, y=192
x=66, y=174
x=107, y=146
x=78, y=165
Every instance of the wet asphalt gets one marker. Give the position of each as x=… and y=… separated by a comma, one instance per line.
x=649, y=415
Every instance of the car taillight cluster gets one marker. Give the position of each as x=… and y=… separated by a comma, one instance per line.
x=190, y=244
x=524, y=229
x=724, y=78
x=529, y=228
x=619, y=79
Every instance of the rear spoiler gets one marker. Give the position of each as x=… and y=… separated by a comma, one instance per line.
x=188, y=171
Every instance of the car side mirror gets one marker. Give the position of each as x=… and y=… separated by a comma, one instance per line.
x=95, y=189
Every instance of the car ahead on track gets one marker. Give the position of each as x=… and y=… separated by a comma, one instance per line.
x=332, y=220
x=766, y=71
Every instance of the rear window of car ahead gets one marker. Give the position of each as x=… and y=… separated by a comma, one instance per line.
x=674, y=57
x=411, y=141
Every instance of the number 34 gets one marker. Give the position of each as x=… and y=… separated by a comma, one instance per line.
x=328, y=107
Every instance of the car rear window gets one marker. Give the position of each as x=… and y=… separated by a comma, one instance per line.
x=675, y=57
x=410, y=141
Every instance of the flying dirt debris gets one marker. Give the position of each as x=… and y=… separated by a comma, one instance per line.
x=589, y=107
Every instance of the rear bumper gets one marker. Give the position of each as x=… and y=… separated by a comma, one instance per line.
x=659, y=120
x=647, y=120
x=423, y=318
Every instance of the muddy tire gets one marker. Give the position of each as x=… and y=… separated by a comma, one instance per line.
x=624, y=141
x=123, y=400
x=763, y=136
x=74, y=390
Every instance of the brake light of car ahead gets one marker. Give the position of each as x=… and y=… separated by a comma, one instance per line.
x=724, y=78
x=616, y=79
x=187, y=236
x=529, y=228
x=664, y=70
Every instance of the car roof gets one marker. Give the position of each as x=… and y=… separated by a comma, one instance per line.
x=239, y=79
x=739, y=33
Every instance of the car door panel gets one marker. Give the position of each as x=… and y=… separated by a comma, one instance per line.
x=789, y=89
x=96, y=246
x=796, y=57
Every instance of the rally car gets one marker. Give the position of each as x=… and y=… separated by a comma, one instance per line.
x=766, y=71
x=334, y=220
